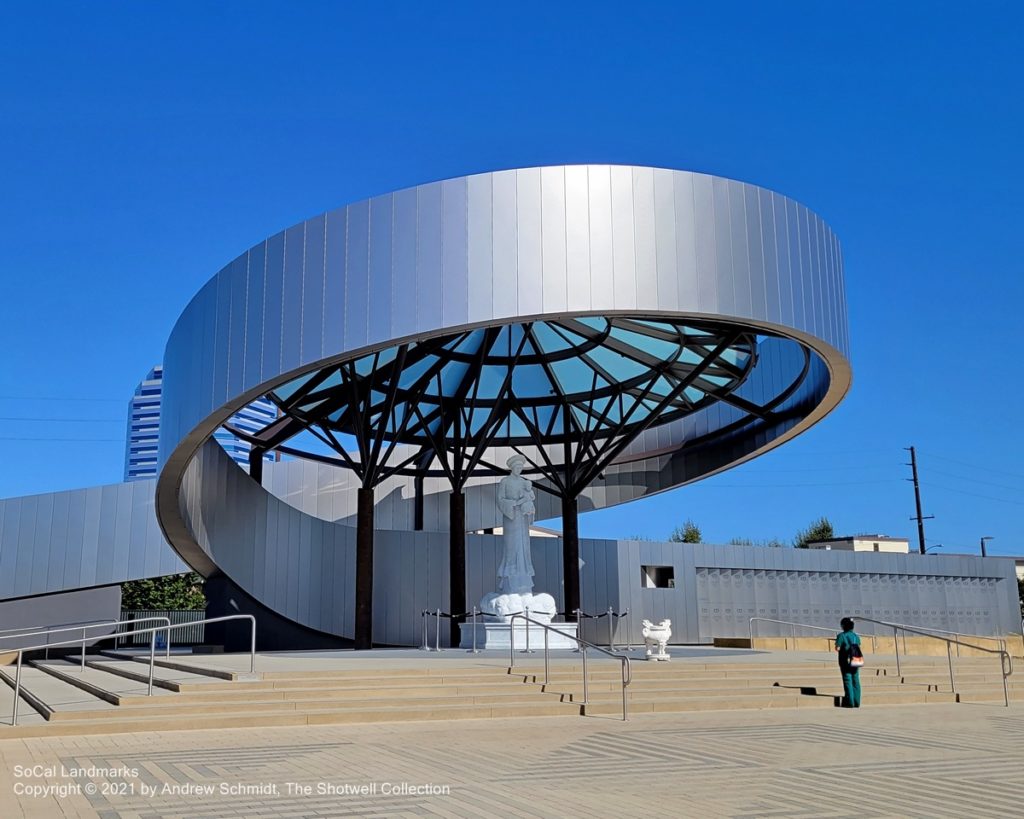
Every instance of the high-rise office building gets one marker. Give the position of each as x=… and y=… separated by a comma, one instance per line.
x=143, y=434
x=142, y=438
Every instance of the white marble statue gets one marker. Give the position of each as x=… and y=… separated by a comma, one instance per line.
x=517, y=503
x=657, y=636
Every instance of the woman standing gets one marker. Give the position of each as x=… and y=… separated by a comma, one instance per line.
x=845, y=642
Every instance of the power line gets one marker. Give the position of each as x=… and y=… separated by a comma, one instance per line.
x=976, y=466
x=974, y=494
x=975, y=480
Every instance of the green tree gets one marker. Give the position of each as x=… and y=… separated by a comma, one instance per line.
x=821, y=529
x=689, y=532
x=772, y=543
x=176, y=592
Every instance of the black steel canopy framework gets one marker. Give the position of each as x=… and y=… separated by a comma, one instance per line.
x=569, y=394
x=434, y=407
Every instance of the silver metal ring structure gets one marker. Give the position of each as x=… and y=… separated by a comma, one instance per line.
x=627, y=330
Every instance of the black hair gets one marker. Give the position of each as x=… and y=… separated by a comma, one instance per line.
x=846, y=623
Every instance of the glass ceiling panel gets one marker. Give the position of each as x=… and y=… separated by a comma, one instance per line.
x=549, y=340
x=491, y=379
x=660, y=348
x=451, y=377
x=470, y=345
x=286, y=391
x=530, y=381
x=617, y=366
x=574, y=376
x=574, y=339
x=412, y=374
x=596, y=322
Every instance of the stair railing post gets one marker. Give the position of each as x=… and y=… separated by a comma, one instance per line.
x=17, y=690
x=949, y=657
x=252, y=647
x=423, y=620
x=579, y=629
x=152, y=659
x=586, y=690
x=611, y=631
x=511, y=642
x=1003, y=658
x=526, y=622
x=475, y=649
x=896, y=645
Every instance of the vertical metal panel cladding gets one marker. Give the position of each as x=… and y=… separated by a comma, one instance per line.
x=484, y=250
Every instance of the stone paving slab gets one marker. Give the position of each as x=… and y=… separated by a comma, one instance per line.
x=913, y=761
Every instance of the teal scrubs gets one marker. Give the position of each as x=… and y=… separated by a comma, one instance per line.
x=851, y=675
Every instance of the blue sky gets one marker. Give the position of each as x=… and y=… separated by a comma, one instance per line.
x=142, y=146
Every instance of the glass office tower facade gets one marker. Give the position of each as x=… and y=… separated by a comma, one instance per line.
x=142, y=437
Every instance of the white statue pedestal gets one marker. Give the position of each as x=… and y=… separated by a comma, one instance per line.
x=496, y=635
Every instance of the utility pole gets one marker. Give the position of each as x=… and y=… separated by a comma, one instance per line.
x=917, y=499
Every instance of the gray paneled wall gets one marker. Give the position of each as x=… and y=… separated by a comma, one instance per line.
x=717, y=589
x=81, y=538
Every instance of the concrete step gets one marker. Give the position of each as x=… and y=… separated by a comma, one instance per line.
x=55, y=698
x=612, y=706
x=311, y=717
x=169, y=678
x=183, y=665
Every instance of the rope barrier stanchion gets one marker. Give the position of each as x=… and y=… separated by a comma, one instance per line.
x=546, y=664
x=475, y=650
x=423, y=619
x=629, y=637
x=611, y=630
x=586, y=690
x=579, y=629
x=528, y=649
x=437, y=631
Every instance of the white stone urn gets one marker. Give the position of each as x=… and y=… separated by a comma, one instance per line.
x=656, y=637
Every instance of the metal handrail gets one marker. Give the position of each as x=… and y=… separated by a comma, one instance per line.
x=43, y=629
x=956, y=634
x=626, y=670
x=96, y=637
x=750, y=626
x=1005, y=660
x=1005, y=667
x=152, y=631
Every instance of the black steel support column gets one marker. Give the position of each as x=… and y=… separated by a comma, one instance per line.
x=256, y=464
x=570, y=556
x=417, y=503
x=456, y=559
x=363, y=637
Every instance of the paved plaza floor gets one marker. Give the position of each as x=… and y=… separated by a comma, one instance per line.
x=915, y=761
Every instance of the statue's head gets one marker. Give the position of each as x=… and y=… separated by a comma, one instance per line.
x=515, y=464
